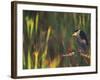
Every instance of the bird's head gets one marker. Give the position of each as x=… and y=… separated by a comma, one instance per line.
x=76, y=33
x=81, y=34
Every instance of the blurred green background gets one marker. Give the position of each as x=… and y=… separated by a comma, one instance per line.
x=47, y=36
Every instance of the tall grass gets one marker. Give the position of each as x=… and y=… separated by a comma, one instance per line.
x=47, y=36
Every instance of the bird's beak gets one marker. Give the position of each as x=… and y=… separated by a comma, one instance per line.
x=74, y=34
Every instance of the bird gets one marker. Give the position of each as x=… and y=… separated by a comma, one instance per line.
x=81, y=39
x=83, y=46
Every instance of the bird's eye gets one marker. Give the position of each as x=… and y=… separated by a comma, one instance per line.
x=76, y=30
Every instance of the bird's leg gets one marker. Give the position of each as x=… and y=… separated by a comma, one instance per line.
x=85, y=58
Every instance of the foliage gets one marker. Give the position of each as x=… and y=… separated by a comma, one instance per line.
x=48, y=35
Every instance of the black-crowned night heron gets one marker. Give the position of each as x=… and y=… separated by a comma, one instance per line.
x=82, y=40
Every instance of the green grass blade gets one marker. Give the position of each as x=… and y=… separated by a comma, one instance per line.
x=29, y=59
x=37, y=19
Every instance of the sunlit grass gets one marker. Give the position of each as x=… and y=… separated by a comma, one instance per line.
x=30, y=26
x=55, y=62
x=29, y=59
x=36, y=54
x=37, y=19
